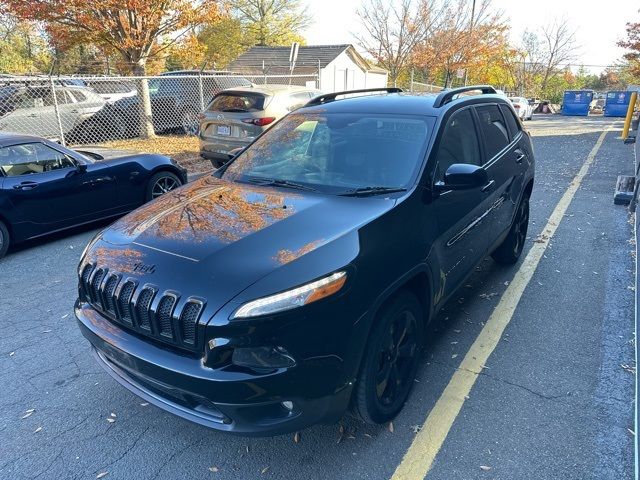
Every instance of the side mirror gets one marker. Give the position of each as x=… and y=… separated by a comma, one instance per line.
x=463, y=176
x=81, y=167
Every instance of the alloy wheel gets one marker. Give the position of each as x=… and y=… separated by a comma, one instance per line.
x=520, y=226
x=396, y=360
x=163, y=185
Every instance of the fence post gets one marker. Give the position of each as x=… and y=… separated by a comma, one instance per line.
x=319, y=76
x=200, y=91
x=57, y=111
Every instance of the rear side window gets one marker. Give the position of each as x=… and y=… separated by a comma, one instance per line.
x=459, y=143
x=237, y=102
x=493, y=127
x=512, y=121
x=298, y=99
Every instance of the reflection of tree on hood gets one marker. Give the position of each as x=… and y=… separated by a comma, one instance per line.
x=195, y=214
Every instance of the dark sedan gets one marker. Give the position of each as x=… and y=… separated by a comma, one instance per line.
x=45, y=187
x=297, y=280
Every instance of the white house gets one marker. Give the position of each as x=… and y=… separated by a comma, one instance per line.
x=331, y=68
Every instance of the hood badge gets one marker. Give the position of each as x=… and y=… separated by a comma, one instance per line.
x=143, y=268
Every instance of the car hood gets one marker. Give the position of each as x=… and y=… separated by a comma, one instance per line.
x=228, y=234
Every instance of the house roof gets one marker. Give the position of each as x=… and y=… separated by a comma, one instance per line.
x=274, y=59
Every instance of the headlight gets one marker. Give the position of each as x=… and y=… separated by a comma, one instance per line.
x=91, y=243
x=294, y=298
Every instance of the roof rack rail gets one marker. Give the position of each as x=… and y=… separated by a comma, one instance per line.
x=330, y=97
x=447, y=95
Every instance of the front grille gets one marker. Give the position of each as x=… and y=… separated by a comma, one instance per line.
x=142, y=308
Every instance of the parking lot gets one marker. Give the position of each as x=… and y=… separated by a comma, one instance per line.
x=554, y=398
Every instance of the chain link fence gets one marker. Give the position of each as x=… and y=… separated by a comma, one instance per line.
x=91, y=110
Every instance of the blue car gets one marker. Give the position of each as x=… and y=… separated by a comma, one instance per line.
x=45, y=187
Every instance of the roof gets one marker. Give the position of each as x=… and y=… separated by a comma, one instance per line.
x=15, y=138
x=260, y=59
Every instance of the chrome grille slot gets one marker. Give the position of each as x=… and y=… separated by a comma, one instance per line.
x=109, y=289
x=98, y=277
x=163, y=315
x=124, y=301
x=188, y=321
x=142, y=308
x=84, y=280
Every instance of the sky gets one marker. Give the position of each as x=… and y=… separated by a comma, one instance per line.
x=598, y=28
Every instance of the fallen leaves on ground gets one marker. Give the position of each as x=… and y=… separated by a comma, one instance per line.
x=391, y=427
x=264, y=470
x=102, y=474
x=296, y=437
x=485, y=468
x=28, y=413
x=37, y=430
x=214, y=469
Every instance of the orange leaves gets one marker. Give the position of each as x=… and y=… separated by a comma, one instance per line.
x=131, y=27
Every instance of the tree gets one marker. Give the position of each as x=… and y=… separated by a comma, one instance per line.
x=132, y=30
x=271, y=22
x=559, y=47
x=225, y=40
x=23, y=47
x=632, y=43
x=466, y=38
x=393, y=29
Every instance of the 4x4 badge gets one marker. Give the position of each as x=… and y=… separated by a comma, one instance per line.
x=142, y=268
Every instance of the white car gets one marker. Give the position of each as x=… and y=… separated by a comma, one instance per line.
x=523, y=109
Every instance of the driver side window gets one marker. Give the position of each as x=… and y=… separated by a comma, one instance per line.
x=459, y=143
x=31, y=158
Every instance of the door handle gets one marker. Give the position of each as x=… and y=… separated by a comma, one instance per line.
x=25, y=186
x=489, y=186
x=520, y=157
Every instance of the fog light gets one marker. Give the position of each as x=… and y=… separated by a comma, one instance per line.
x=288, y=405
x=262, y=357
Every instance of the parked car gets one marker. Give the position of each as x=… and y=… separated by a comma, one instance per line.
x=31, y=109
x=236, y=116
x=298, y=279
x=523, y=107
x=45, y=187
x=176, y=102
x=113, y=90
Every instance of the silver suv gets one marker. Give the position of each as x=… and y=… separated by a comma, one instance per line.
x=235, y=117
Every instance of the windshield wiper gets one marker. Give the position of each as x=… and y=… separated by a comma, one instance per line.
x=281, y=183
x=378, y=190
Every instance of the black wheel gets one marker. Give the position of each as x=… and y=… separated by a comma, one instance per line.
x=4, y=239
x=161, y=183
x=189, y=122
x=391, y=360
x=510, y=249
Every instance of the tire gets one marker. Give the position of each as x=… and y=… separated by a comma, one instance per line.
x=5, y=240
x=510, y=249
x=161, y=183
x=388, y=351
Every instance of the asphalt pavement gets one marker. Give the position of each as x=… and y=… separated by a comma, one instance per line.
x=555, y=400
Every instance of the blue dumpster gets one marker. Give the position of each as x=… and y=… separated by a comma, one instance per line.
x=617, y=103
x=576, y=102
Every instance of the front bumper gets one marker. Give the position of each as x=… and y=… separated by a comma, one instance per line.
x=237, y=402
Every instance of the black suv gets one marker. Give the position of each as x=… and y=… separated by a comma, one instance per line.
x=296, y=281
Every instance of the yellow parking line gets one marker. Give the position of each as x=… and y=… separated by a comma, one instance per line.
x=426, y=444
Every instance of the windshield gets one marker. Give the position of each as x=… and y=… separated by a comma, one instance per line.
x=337, y=152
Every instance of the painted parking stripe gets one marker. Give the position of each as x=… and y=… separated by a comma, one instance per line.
x=426, y=444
